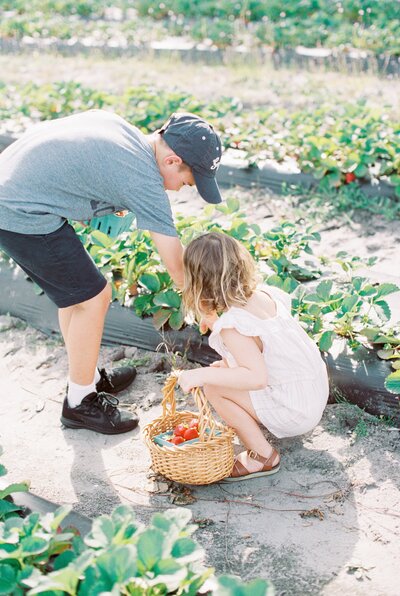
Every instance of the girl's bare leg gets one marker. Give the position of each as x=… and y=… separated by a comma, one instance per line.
x=236, y=409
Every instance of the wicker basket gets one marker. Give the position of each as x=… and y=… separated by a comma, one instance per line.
x=208, y=460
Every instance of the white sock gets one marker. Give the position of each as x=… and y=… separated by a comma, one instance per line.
x=96, y=376
x=76, y=393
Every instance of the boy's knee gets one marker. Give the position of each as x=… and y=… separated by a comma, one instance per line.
x=100, y=301
x=107, y=293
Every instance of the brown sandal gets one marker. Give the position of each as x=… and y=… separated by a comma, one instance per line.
x=240, y=472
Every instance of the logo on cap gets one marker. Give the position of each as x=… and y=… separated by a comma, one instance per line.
x=215, y=163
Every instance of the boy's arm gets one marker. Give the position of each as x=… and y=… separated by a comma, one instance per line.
x=249, y=374
x=170, y=250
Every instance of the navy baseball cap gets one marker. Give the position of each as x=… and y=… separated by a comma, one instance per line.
x=198, y=145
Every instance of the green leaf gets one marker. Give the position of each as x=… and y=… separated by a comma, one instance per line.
x=150, y=547
x=59, y=515
x=101, y=534
x=150, y=281
x=324, y=289
x=63, y=560
x=349, y=303
x=183, y=547
x=275, y=280
x=119, y=564
x=383, y=309
x=392, y=382
x=258, y=587
x=176, y=320
x=233, y=205
x=395, y=180
x=169, y=298
x=172, y=518
x=161, y=317
x=368, y=290
x=6, y=508
x=142, y=303
x=361, y=170
x=8, y=579
x=385, y=289
x=19, y=487
x=100, y=238
x=34, y=545
x=63, y=580
x=228, y=585
x=325, y=341
x=166, y=567
x=386, y=354
x=3, y=470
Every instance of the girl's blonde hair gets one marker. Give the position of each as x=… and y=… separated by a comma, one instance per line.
x=219, y=273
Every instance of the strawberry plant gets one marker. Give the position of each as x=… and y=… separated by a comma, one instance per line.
x=388, y=342
x=337, y=144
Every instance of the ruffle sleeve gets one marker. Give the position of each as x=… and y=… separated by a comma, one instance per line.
x=238, y=320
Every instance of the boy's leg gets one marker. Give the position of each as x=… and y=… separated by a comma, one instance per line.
x=236, y=409
x=60, y=265
x=82, y=326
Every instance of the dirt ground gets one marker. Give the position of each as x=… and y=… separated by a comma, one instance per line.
x=328, y=523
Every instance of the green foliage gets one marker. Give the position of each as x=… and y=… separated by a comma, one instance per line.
x=364, y=24
x=340, y=303
x=339, y=144
x=119, y=555
x=232, y=586
x=7, y=507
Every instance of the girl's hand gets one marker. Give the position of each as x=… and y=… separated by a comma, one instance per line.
x=189, y=379
x=207, y=322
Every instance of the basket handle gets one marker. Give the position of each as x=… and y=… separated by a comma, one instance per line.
x=206, y=419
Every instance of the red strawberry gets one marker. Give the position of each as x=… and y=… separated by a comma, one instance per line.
x=180, y=429
x=350, y=177
x=190, y=433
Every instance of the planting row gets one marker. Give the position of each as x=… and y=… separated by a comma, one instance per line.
x=371, y=25
x=338, y=143
x=329, y=298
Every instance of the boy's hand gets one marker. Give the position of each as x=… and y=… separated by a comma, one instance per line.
x=189, y=379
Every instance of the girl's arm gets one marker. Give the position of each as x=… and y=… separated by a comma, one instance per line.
x=249, y=374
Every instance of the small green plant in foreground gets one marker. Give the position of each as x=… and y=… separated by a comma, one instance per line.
x=119, y=555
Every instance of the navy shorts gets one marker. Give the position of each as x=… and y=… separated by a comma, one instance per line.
x=57, y=262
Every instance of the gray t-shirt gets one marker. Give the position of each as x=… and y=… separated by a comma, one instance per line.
x=79, y=167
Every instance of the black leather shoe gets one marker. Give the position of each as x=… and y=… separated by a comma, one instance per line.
x=116, y=380
x=98, y=412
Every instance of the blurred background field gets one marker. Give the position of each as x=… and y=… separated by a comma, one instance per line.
x=337, y=120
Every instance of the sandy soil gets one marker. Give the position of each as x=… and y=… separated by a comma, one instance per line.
x=327, y=523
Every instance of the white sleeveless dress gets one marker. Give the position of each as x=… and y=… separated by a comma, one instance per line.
x=297, y=392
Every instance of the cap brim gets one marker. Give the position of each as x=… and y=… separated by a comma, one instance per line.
x=208, y=188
